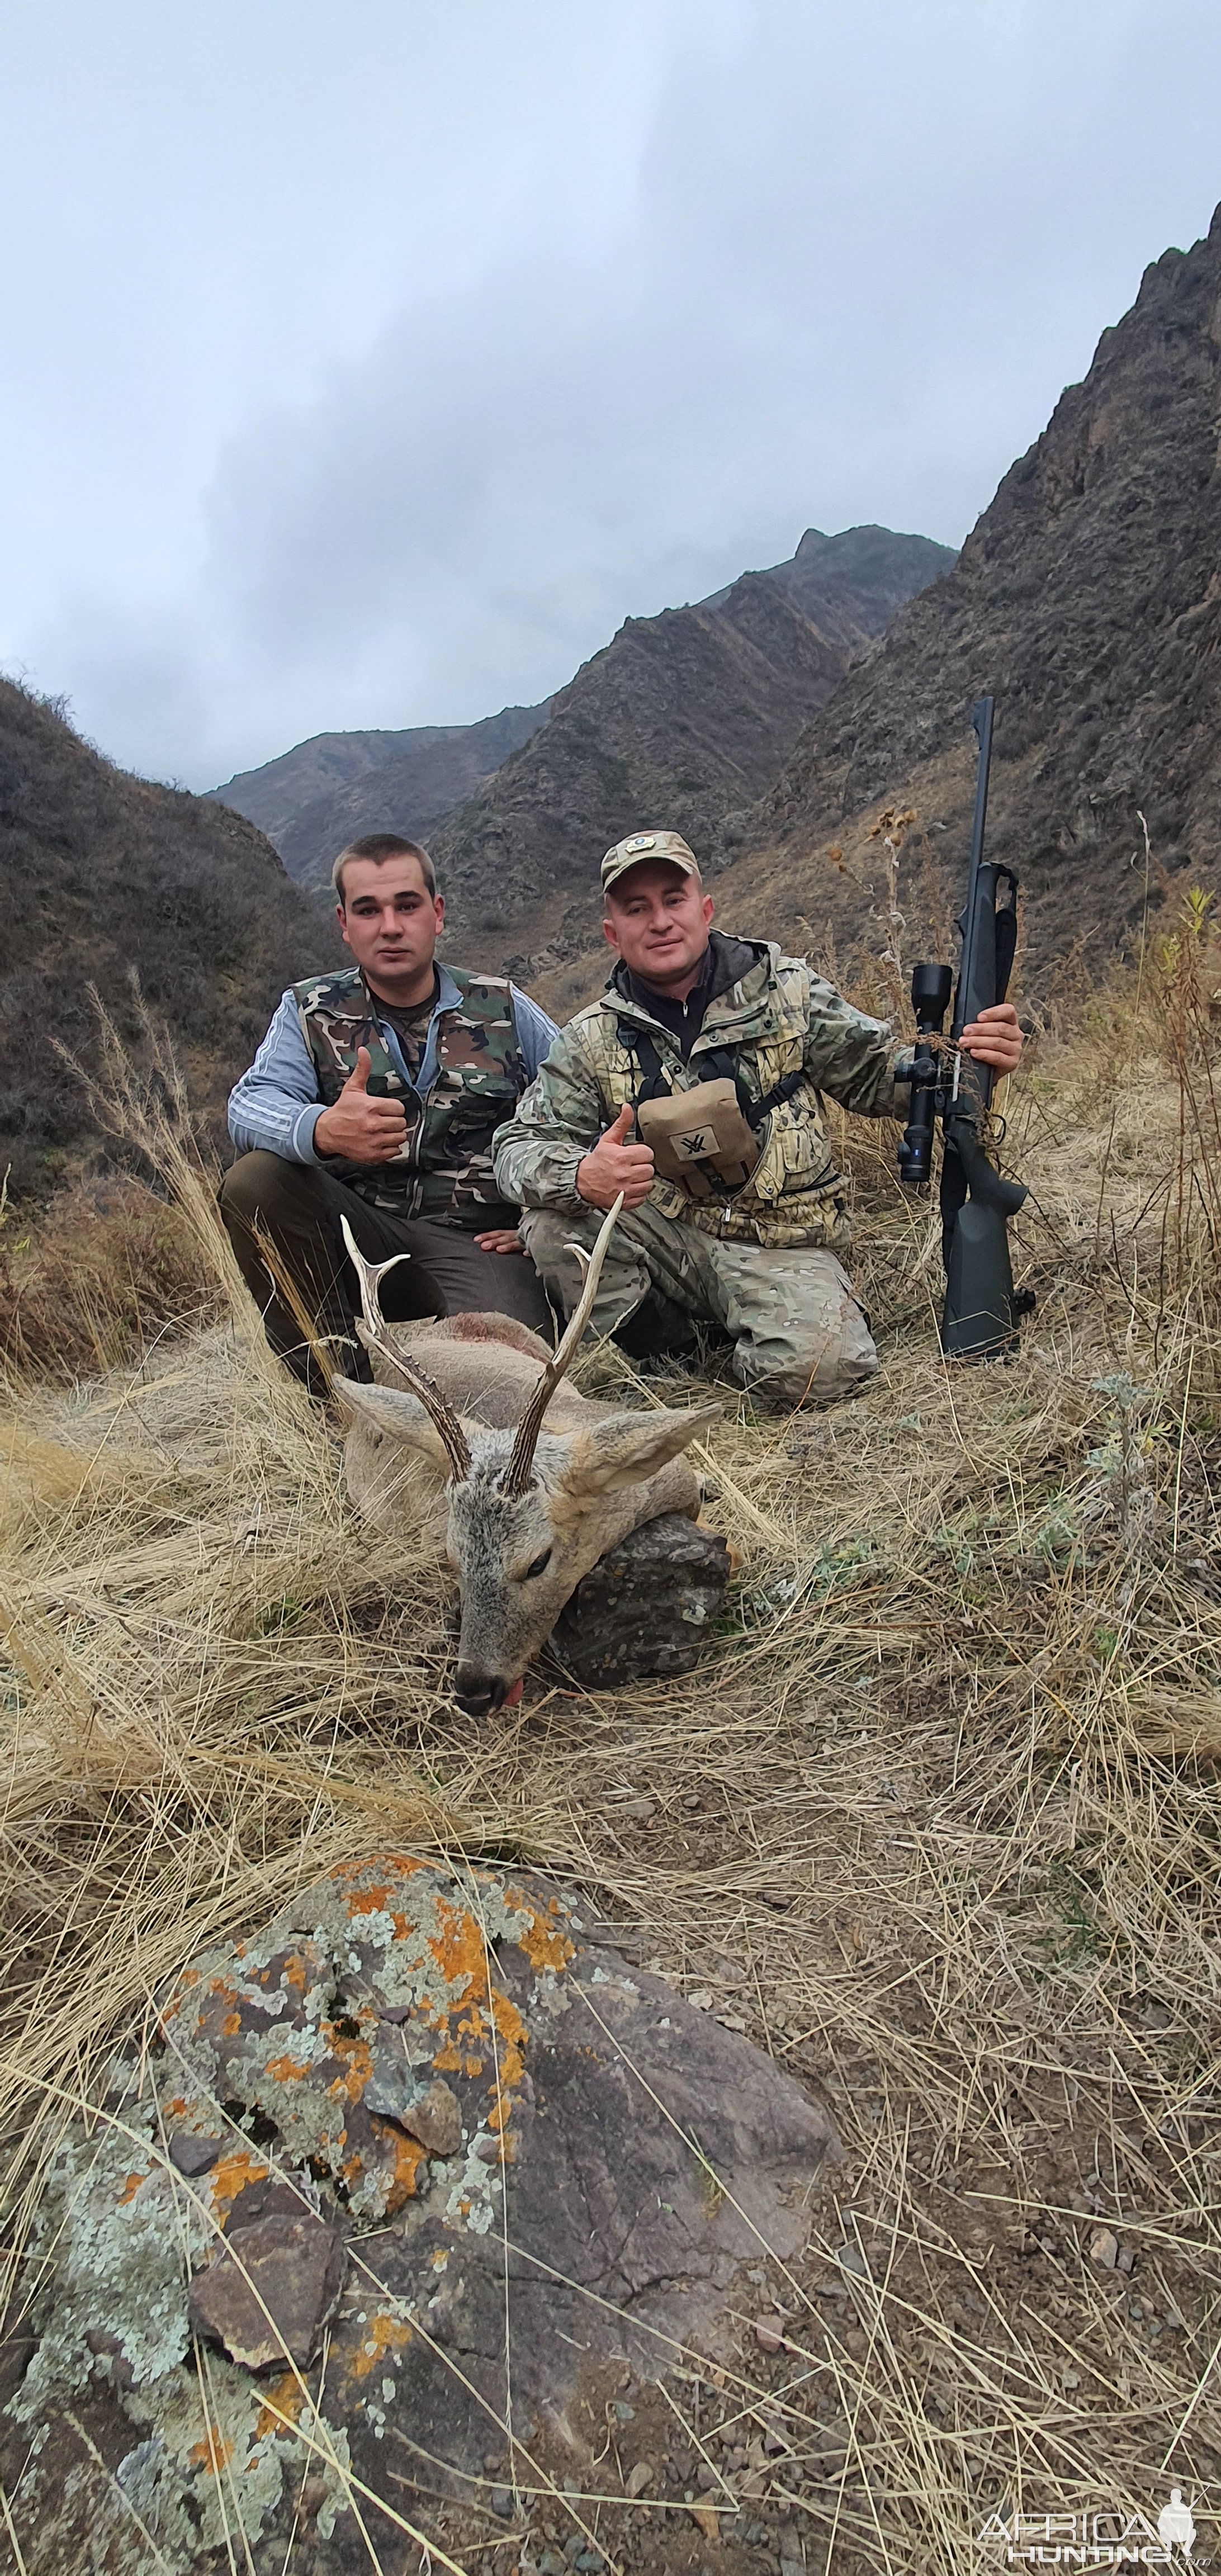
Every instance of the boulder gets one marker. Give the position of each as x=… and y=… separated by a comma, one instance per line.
x=647, y=1606
x=394, y=2178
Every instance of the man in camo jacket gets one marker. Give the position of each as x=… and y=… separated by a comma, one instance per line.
x=755, y=1252
x=375, y=1095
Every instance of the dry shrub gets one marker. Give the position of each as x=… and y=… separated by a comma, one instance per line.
x=95, y=1278
x=936, y=1820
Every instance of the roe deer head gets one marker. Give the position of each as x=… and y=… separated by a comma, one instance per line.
x=528, y=1509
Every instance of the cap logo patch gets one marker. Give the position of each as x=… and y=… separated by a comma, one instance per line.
x=642, y=841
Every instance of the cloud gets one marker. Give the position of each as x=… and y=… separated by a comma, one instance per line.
x=638, y=293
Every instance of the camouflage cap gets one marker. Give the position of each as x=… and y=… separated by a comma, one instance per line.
x=647, y=845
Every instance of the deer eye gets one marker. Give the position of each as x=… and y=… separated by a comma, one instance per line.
x=539, y=1566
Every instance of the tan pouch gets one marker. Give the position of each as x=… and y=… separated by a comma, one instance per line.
x=703, y=1125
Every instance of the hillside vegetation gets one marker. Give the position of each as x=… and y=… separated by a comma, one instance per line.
x=935, y=1819
x=104, y=877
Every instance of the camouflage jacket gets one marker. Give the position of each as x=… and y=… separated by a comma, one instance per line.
x=781, y=1024
x=445, y=1168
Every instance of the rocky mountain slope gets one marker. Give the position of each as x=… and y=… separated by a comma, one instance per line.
x=682, y=719
x=101, y=873
x=1088, y=598
x=338, y=786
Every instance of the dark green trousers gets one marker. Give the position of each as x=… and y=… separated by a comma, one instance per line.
x=299, y=1206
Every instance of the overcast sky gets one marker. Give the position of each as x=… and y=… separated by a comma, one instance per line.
x=367, y=361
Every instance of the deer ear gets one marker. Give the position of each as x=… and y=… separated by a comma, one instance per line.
x=627, y=1448
x=390, y=1409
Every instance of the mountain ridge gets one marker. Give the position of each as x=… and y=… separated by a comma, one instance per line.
x=1087, y=599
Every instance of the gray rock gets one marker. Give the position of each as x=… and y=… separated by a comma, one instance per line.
x=269, y=2292
x=646, y=1606
x=193, y=2155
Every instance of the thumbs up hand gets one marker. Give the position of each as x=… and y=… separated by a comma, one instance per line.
x=361, y=1126
x=616, y=1167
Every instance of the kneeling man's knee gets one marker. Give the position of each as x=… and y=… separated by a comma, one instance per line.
x=258, y=1182
x=807, y=1340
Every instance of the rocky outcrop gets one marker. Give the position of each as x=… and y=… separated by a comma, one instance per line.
x=382, y=2190
x=1088, y=599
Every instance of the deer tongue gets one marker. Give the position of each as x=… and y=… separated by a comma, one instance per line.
x=512, y=1697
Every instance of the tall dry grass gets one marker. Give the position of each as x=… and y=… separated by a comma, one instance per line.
x=936, y=1819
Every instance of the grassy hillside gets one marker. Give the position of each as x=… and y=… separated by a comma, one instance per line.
x=935, y=1820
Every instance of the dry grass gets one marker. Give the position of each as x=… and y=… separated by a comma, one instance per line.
x=936, y=1819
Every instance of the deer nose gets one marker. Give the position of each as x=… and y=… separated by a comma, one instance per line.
x=477, y=1693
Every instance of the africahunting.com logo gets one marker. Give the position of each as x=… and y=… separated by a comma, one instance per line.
x=1105, y=2538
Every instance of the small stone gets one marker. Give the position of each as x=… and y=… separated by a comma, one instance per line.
x=769, y=2334
x=487, y=2150
x=701, y=2000
x=1104, y=2249
x=436, y=2120
x=1070, y=2379
x=501, y=2502
x=851, y=2259
x=777, y=1897
x=273, y=2309
x=192, y=2155
x=639, y=1811
x=639, y=2476
x=1125, y=2258
x=705, y=2476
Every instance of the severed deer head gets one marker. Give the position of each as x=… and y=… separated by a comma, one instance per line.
x=536, y=1480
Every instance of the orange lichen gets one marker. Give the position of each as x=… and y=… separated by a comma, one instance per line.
x=231, y=2025
x=545, y=1945
x=447, y=2059
x=382, y=2336
x=174, y=2110
x=458, y=1948
x=212, y=2454
x=294, y=1971
x=282, y=2404
x=233, y=2174
x=356, y=2058
x=287, y=2070
x=409, y=2155
x=131, y=2187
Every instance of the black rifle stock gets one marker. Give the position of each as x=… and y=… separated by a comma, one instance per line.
x=980, y=1318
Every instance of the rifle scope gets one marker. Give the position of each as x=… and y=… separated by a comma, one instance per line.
x=931, y=988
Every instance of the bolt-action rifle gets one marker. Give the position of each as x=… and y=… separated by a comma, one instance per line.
x=982, y=1307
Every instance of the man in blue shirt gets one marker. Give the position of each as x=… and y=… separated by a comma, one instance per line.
x=376, y=1094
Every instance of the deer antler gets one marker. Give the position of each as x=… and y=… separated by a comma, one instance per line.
x=444, y=1421
x=517, y=1474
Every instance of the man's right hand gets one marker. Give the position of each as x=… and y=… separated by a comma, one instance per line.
x=615, y=1166
x=363, y=1127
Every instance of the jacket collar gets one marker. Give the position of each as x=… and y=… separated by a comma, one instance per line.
x=736, y=1010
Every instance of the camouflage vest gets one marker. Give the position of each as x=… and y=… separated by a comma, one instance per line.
x=445, y=1168
x=796, y=1194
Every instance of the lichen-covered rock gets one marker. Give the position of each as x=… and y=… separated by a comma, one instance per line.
x=389, y=2179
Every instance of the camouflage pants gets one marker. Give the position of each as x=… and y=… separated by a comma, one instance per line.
x=799, y=1335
